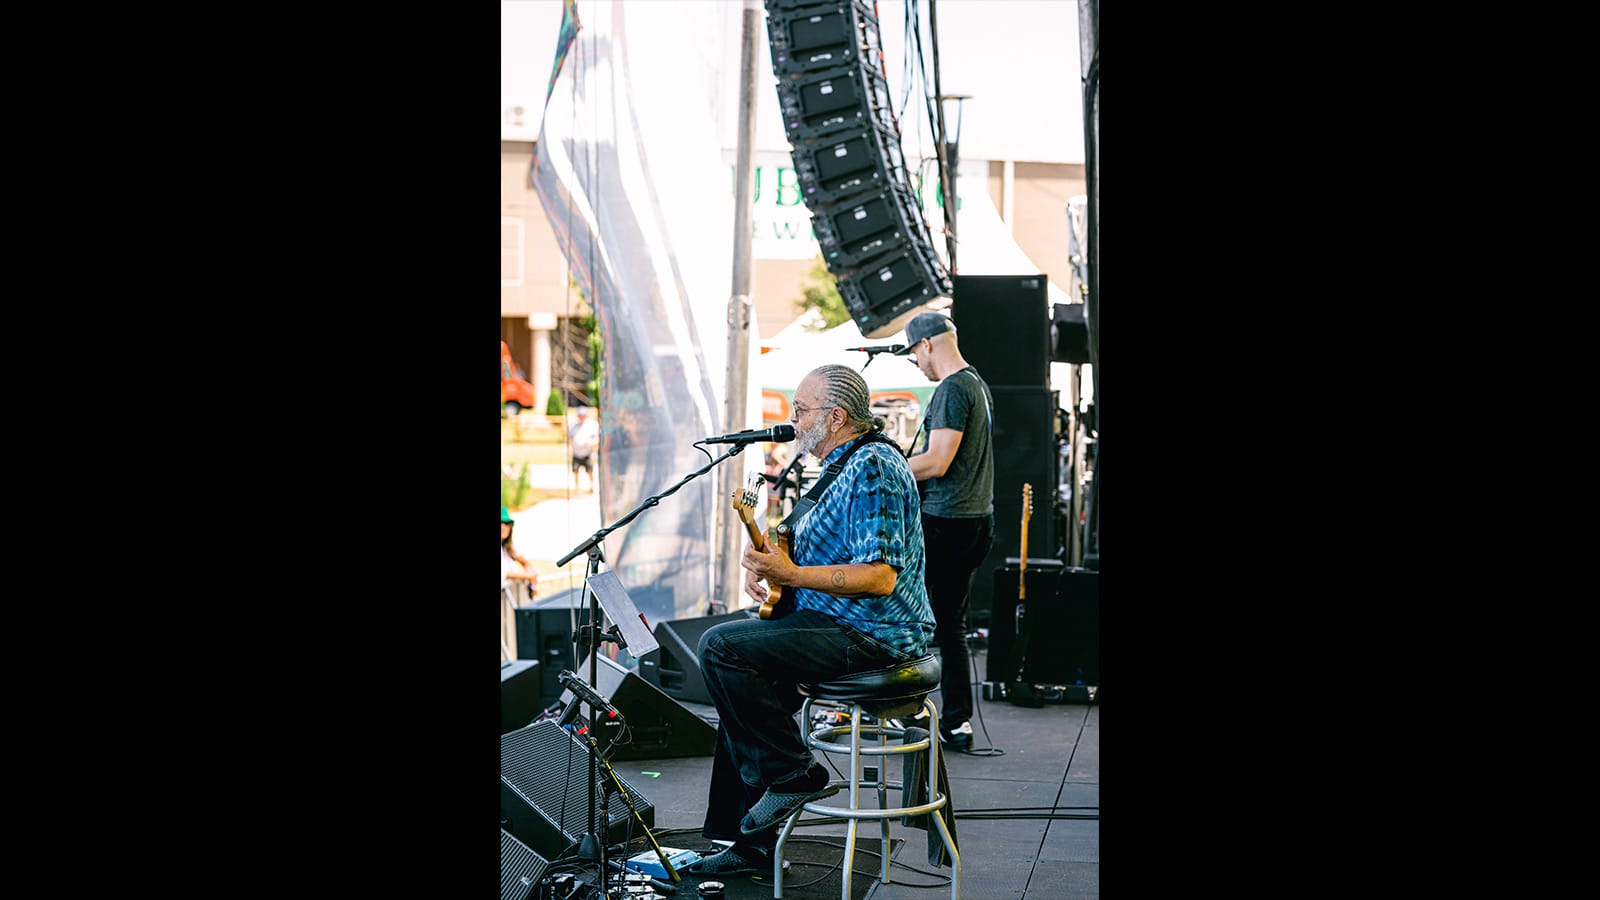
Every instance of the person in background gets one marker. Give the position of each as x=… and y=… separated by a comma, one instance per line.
x=517, y=579
x=585, y=440
x=853, y=579
x=955, y=473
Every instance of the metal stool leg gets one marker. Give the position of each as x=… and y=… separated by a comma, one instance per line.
x=823, y=738
x=883, y=801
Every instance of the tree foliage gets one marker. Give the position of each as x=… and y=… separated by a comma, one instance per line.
x=822, y=294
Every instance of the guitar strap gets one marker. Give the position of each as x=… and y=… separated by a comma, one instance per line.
x=811, y=497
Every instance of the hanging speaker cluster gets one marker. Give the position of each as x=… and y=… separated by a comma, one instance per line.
x=836, y=110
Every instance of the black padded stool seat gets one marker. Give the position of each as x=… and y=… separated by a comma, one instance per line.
x=885, y=693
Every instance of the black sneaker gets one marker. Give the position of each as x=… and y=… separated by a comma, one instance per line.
x=959, y=737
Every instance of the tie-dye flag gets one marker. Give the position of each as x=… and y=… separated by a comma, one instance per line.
x=631, y=176
x=569, y=33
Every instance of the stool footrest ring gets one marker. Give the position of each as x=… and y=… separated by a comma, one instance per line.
x=893, y=812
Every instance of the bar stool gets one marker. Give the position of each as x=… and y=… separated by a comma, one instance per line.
x=896, y=691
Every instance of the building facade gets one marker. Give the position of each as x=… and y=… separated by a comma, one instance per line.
x=542, y=314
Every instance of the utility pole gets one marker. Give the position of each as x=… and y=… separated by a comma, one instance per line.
x=949, y=152
x=726, y=585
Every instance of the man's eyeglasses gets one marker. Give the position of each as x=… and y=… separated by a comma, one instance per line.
x=801, y=409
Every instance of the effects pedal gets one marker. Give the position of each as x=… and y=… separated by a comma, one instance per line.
x=650, y=864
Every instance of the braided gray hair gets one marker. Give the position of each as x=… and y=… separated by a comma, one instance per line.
x=844, y=387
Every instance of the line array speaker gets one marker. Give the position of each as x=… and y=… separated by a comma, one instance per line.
x=544, y=794
x=521, y=869
x=1004, y=326
x=1024, y=452
x=657, y=726
x=815, y=34
x=675, y=667
x=839, y=116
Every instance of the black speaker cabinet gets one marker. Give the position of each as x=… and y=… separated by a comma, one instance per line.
x=519, y=693
x=806, y=35
x=1061, y=621
x=1025, y=452
x=544, y=633
x=1005, y=327
x=654, y=726
x=521, y=869
x=1069, y=341
x=885, y=292
x=675, y=667
x=544, y=792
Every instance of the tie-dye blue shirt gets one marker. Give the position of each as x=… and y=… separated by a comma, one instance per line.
x=870, y=514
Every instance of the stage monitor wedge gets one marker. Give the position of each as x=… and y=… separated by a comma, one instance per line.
x=655, y=726
x=544, y=791
x=521, y=869
x=675, y=667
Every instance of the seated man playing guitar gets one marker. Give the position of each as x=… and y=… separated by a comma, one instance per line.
x=853, y=600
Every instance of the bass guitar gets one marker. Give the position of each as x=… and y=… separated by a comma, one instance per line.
x=744, y=503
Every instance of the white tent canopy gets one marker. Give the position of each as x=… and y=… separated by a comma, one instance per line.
x=791, y=353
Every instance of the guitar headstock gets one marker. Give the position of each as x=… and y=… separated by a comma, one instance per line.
x=1027, y=500
x=745, y=499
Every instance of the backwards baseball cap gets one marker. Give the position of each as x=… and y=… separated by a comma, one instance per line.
x=925, y=325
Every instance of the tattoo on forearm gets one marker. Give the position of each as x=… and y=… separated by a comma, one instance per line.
x=838, y=578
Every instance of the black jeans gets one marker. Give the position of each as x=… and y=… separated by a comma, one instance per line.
x=955, y=549
x=751, y=667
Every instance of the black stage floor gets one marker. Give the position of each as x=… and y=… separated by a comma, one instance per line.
x=1026, y=804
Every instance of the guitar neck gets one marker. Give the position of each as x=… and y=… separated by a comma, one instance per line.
x=756, y=537
x=1022, y=570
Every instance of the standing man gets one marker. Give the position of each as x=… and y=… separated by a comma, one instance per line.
x=585, y=438
x=955, y=474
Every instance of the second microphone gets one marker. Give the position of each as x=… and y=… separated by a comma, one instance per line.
x=777, y=434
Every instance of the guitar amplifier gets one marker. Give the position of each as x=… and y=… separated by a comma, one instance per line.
x=1005, y=630
x=1062, y=626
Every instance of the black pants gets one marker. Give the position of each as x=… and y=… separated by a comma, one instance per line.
x=954, y=550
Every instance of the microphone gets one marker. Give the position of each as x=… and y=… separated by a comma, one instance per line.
x=587, y=694
x=886, y=348
x=777, y=434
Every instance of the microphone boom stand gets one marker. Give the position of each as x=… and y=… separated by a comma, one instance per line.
x=593, y=844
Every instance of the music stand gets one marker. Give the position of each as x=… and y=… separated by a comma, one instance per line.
x=637, y=638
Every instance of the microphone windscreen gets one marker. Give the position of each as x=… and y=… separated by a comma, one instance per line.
x=782, y=433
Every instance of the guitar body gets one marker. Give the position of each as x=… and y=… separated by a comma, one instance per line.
x=744, y=503
x=776, y=603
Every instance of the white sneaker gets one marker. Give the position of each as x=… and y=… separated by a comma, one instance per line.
x=959, y=737
x=920, y=720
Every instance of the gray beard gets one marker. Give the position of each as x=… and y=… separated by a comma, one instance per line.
x=811, y=437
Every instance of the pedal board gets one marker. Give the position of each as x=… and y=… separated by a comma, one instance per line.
x=650, y=864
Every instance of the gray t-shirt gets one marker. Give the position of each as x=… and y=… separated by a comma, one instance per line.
x=962, y=402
